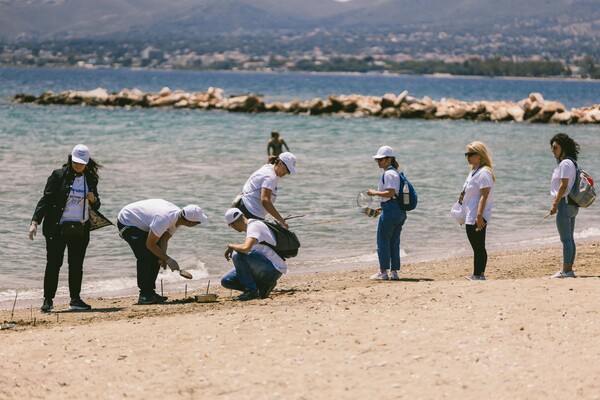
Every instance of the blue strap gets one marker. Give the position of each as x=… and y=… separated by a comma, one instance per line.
x=400, y=174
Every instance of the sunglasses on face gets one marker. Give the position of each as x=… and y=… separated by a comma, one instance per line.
x=470, y=154
x=554, y=147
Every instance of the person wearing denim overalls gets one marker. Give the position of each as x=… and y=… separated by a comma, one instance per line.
x=392, y=216
x=565, y=150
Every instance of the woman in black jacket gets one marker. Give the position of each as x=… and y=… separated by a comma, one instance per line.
x=69, y=196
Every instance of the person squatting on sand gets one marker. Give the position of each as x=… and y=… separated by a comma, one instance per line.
x=260, y=190
x=256, y=266
x=392, y=216
x=147, y=226
x=565, y=150
x=69, y=194
x=275, y=145
x=477, y=200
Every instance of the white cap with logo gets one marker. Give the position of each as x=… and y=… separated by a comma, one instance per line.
x=289, y=160
x=194, y=213
x=384, y=151
x=80, y=154
x=232, y=215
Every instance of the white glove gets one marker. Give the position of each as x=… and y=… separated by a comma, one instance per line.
x=32, y=230
x=172, y=264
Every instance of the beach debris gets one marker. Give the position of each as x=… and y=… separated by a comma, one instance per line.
x=7, y=325
x=533, y=109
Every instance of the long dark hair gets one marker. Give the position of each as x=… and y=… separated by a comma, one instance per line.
x=570, y=148
x=272, y=160
x=394, y=162
x=92, y=166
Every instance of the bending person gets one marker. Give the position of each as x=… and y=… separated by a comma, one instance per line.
x=256, y=266
x=260, y=190
x=147, y=226
x=69, y=194
x=565, y=150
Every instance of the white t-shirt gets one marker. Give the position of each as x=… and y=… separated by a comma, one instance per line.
x=75, y=202
x=264, y=177
x=156, y=215
x=391, y=180
x=477, y=180
x=261, y=232
x=564, y=169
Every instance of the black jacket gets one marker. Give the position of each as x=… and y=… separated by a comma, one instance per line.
x=51, y=206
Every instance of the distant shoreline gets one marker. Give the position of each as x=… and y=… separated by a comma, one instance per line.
x=331, y=73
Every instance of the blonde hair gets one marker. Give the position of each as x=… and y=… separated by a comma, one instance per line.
x=485, y=156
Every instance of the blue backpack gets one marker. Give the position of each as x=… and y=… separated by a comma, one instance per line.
x=407, y=198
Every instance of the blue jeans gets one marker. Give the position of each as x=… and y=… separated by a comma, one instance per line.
x=147, y=262
x=251, y=271
x=565, y=222
x=388, y=235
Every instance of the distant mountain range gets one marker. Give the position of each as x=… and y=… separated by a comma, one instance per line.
x=46, y=19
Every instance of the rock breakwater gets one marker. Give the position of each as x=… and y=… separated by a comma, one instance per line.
x=534, y=109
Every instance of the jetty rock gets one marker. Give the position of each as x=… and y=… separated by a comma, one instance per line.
x=532, y=109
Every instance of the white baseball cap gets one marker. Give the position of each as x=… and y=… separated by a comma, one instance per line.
x=289, y=160
x=194, y=213
x=384, y=151
x=80, y=154
x=232, y=215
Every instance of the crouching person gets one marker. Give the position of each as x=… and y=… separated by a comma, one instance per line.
x=147, y=226
x=256, y=266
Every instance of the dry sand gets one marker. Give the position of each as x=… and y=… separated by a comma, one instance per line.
x=333, y=335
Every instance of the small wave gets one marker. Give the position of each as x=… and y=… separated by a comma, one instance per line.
x=588, y=233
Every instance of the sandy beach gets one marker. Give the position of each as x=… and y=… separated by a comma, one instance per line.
x=329, y=335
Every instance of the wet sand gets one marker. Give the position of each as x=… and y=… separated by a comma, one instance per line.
x=329, y=335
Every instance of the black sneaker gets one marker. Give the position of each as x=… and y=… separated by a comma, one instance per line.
x=249, y=295
x=47, y=306
x=146, y=299
x=159, y=298
x=266, y=290
x=78, y=304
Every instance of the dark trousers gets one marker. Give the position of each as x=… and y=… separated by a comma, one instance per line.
x=55, y=253
x=477, y=240
x=147, y=262
x=240, y=205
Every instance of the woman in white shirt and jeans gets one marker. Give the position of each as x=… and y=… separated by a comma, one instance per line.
x=477, y=201
x=565, y=150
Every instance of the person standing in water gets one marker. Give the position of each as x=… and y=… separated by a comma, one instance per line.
x=275, y=145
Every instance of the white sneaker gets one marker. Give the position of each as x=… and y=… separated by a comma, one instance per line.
x=563, y=274
x=476, y=278
x=394, y=276
x=380, y=276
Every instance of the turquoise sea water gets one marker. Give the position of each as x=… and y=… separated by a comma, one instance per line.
x=204, y=157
